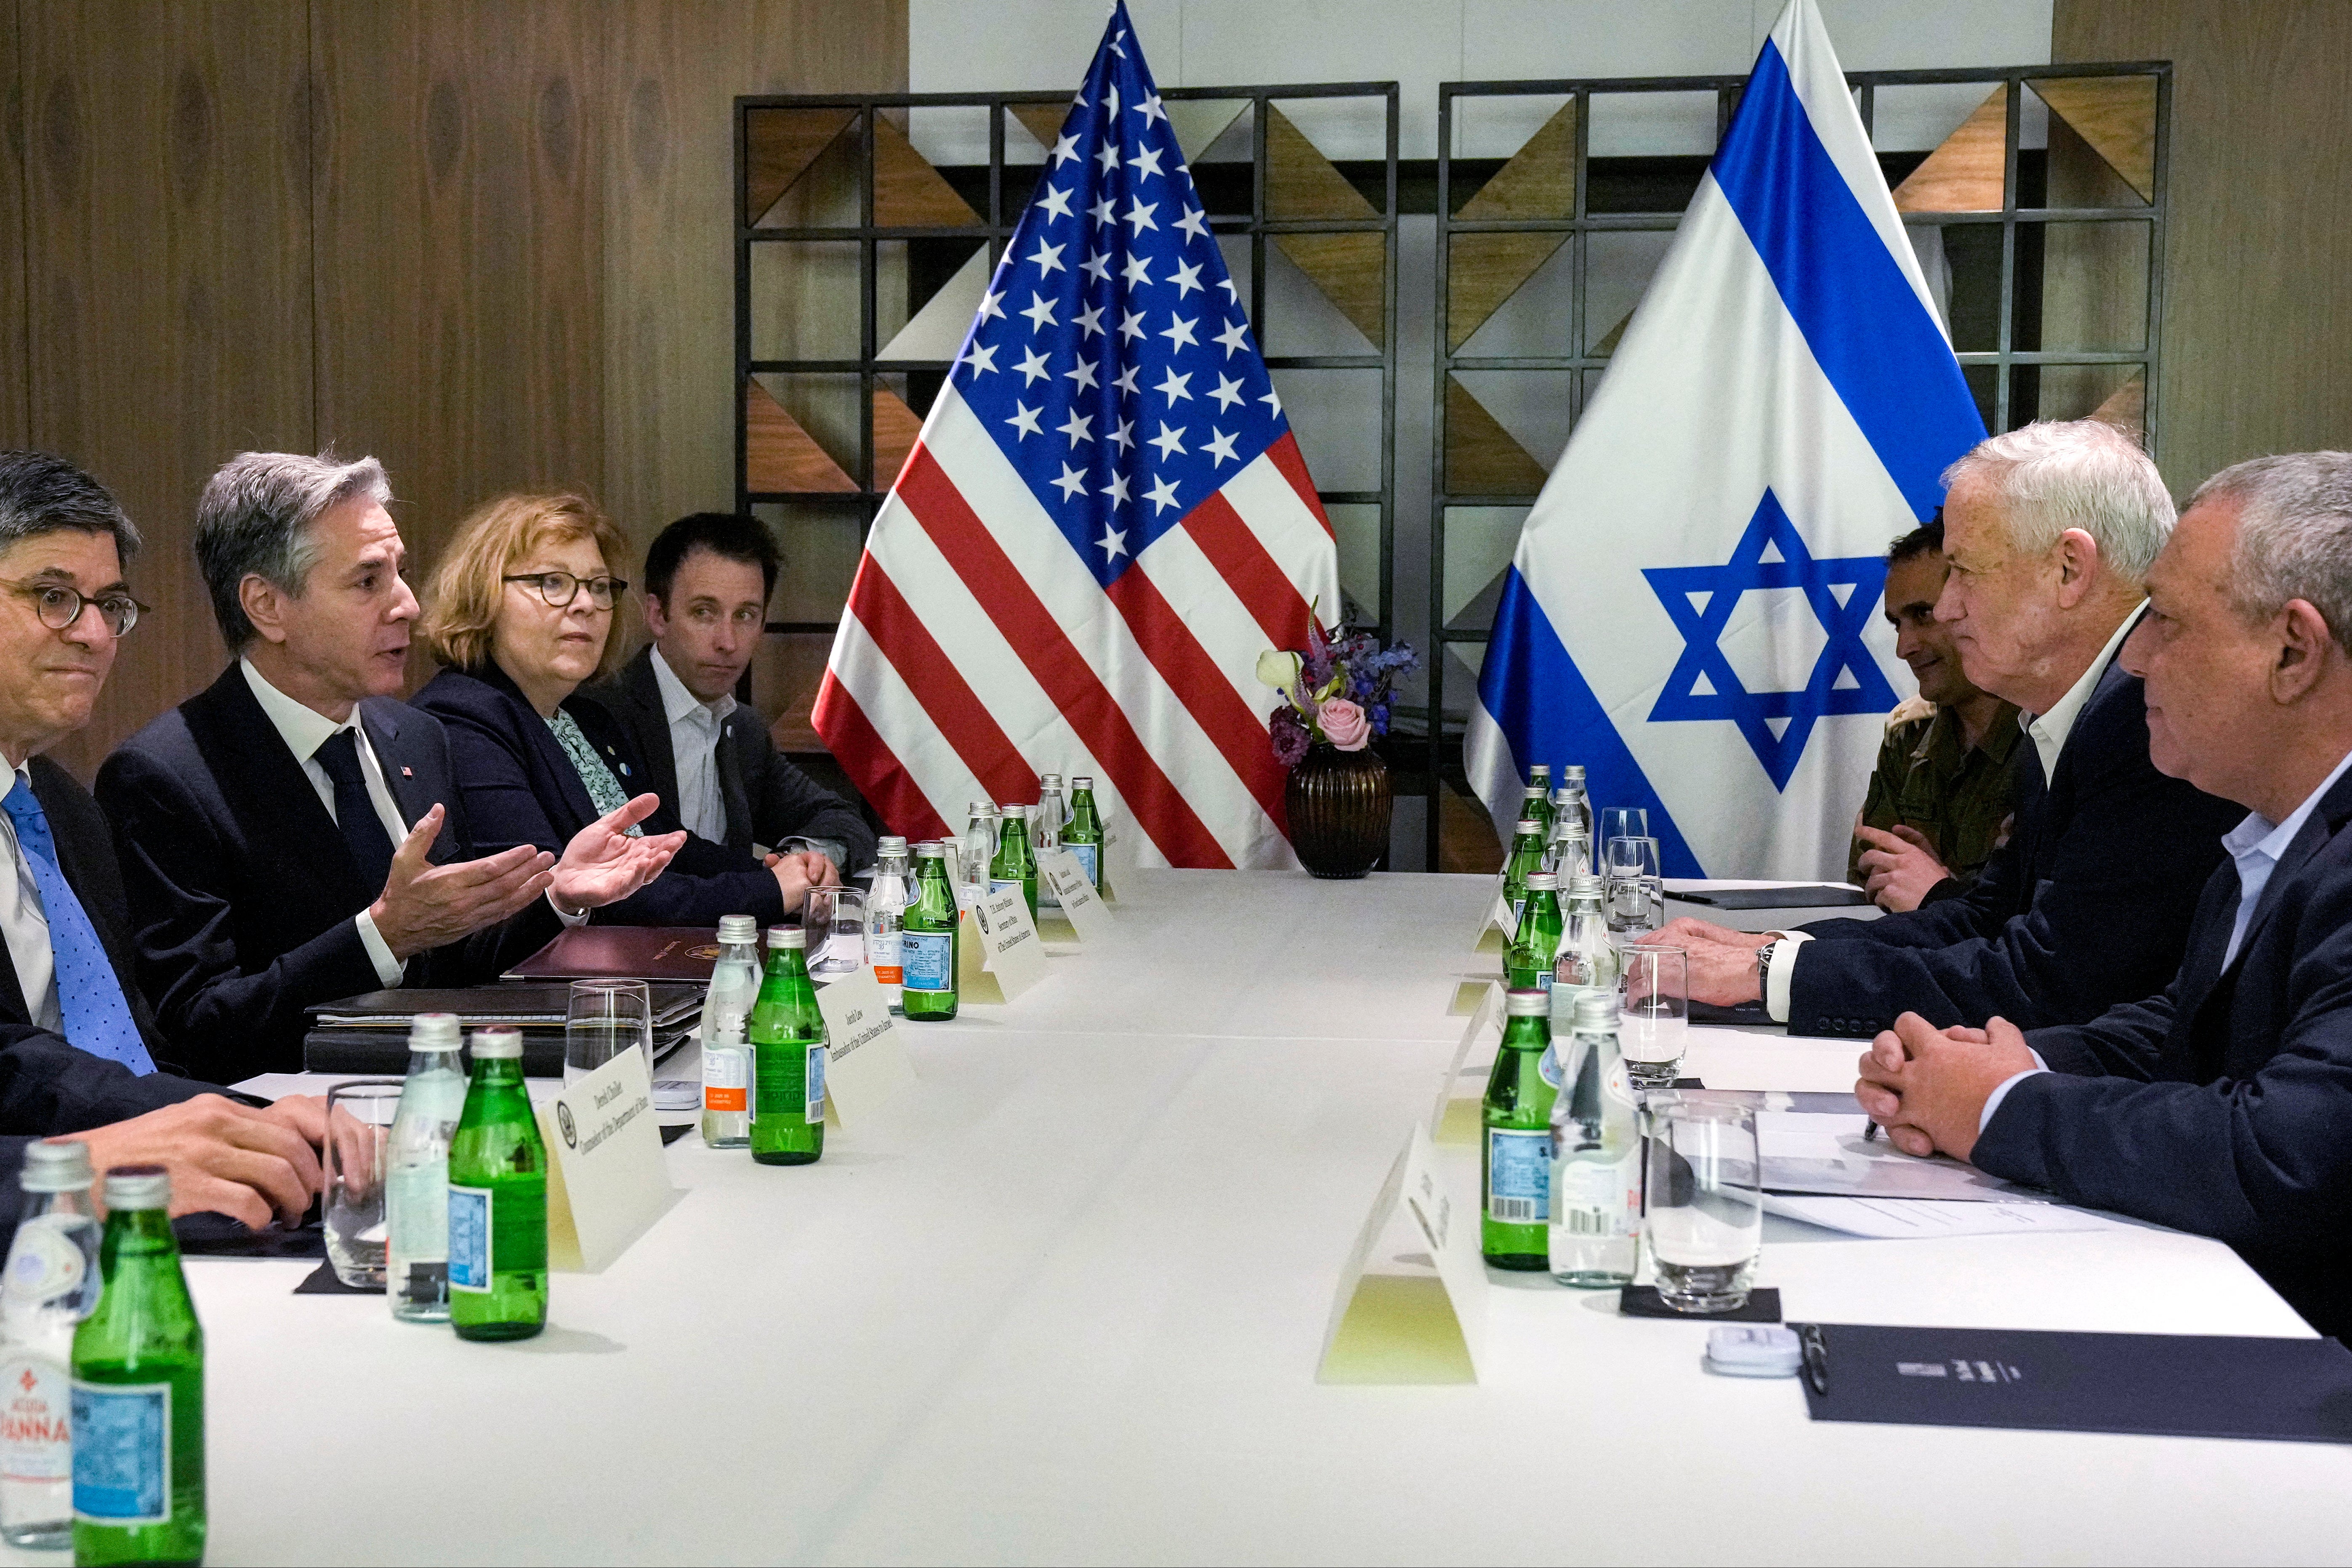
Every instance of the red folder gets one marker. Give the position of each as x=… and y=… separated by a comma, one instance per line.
x=624, y=952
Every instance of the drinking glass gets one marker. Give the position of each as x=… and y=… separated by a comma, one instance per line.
x=604, y=1018
x=1654, y=1011
x=1705, y=1220
x=1624, y=822
x=1637, y=894
x=835, y=919
x=359, y=1131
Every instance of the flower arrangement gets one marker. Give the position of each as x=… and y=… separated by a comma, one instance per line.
x=1335, y=691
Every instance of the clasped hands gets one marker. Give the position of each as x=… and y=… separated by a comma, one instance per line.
x=1927, y=1086
x=425, y=905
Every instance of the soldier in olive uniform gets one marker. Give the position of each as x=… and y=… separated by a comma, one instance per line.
x=1941, y=795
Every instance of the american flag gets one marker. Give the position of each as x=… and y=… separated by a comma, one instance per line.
x=1105, y=522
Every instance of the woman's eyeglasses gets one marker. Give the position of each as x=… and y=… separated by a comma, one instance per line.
x=561, y=587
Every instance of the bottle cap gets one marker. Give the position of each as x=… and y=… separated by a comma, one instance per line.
x=138, y=1186
x=1563, y=795
x=1543, y=881
x=1540, y=770
x=434, y=1032
x=56, y=1167
x=490, y=1044
x=787, y=937
x=1527, y=825
x=1574, y=771
x=1082, y=781
x=739, y=928
x=930, y=850
x=1596, y=1012
x=1530, y=1003
x=1013, y=809
x=1585, y=884
x=890, y=845
x=1049, y=780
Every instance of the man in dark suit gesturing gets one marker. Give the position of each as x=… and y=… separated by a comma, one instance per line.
x=2050, y=531
x=291, y=834
x=79, y=1052
x=2221, y=1104
x=708, y=578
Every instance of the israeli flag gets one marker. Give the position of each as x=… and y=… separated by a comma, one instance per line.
x=1693, y=611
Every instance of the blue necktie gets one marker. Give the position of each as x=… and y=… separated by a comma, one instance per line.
x=97, y=1017
x=354, y=811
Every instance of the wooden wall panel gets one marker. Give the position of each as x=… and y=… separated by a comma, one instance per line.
x=459, y=202
x=675, y=71
x=15, y=367
x=2257, y=319
x=168, y=275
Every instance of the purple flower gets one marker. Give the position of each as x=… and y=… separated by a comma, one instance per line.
x=1288, y=732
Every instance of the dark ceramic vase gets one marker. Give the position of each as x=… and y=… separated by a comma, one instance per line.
x=1339, y=804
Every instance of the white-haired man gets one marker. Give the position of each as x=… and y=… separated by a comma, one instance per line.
x=2050, y=531
x=2218, y=1103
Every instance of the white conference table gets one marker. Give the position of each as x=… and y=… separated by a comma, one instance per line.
x=1067, y=1303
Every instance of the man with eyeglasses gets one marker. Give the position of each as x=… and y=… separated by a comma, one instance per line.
x=292, y=835
x=80, y=1054
x=708, y=577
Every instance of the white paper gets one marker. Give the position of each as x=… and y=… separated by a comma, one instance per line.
x=1902, y=1219
x=1087, y=912
x=866, y=1064
x=1009, y=945
x=1806, y=1151
x=609, y=1181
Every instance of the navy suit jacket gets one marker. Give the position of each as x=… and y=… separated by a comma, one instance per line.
x=48, y=1087
x=2223, y=1105
x=242, y=889
x=2088, y=904
x=767, y=800
x=86, y=855
x=521, y=789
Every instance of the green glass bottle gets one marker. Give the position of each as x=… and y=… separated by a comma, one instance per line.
x=1515, y=1163
x=139, y=1389
x=1082, y=835
x=1527, y=855
x=1528, y=963
x=1014, y=862
x=928, y=940
x=497, y=1200
x=787, y=1056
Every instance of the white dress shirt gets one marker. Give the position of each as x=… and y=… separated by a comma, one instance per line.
x=304, y=730
x=695, y=727
x=2048, y=731
x=26, y=925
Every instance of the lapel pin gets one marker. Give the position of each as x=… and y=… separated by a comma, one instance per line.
x=406, y=773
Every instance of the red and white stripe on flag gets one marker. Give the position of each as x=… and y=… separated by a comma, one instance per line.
x=977, y=650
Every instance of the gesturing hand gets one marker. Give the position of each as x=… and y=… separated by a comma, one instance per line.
x=1927, y=1087
x=1901, y=866
x=224, y=1158
x=602, y=864
x=425, y=905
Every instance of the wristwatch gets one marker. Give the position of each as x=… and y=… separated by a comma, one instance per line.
x=1764, y=964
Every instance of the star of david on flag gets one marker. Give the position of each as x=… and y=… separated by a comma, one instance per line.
x=1693, y=609
x=1104, y=523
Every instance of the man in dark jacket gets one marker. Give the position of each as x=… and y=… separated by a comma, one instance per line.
x=2220, y=1104
x=79, y=1051
x=708, y=577
x=2050, y=531
x=291, y=834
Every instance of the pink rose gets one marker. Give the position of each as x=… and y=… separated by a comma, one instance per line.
x=1343, y=724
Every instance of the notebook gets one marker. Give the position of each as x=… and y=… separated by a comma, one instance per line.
x=624, y=952
x=485, y=1006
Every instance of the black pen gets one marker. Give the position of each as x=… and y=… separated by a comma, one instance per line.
x=1870, y=1133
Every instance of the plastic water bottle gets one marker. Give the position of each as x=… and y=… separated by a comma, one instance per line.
x=726, y=1009
x=50, y=1284
x=417, y=1173
x=886, y=920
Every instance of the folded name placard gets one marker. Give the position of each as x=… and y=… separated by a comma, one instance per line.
x=607, y=1181
x=1410, y=1306
x=999, y=956
x=1455, y=1118
x=866, y=1069
x=1496, y=927
x=1081, y=909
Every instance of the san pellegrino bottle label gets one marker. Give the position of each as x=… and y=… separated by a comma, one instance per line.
x=813, y=1104
x=1519, y=1176
x=930, y=960
x=469, y=1238
x=123, y=1452
x=1089, y=858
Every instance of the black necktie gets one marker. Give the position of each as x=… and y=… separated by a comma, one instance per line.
x=354, y=811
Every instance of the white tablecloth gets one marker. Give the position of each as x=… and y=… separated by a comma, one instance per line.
x=1069, y=1305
